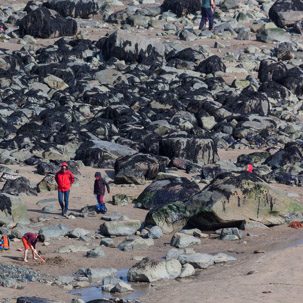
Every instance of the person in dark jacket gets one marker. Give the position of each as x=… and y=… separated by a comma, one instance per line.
x=99, y=191
x=208, y=6
x=64, y=179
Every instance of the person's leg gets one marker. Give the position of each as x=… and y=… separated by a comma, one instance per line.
x=25, y=255
x=66, y=197
x=210, y=16
x=26, y=248
x=60, y=198
x=203, y=19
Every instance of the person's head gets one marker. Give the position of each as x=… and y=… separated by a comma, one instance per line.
x=41, y=238
x=98, y=175
x=64, y=166
x=249, y=168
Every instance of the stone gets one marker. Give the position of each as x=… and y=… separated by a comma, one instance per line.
x=149, y=270
x=272, y=35
x=285, y=51
x=211, y=65
x=34, y=300
x=73, y=249
x=181, y=7
x=108, y=242
x=18, y=187
x=197, y=260
x=20, y=230
x=49, y=208
x=48, y=183
x=99, y=274
x=51, y=24
x=155, y=232
x=181, y=240
x=229, y=234
x=120, y=228
x=187, y=271
x=55, y=82
x=12, y=210
x=95, y=253
x=133, y=243
x=121, y=287
x=110, y=77
x=79, y=232
x=122, y=200
x=54, y=231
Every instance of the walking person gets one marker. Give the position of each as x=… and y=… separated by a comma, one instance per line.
x=99, y=191
x=29, y=241
x=208, y=6
x=64, y=179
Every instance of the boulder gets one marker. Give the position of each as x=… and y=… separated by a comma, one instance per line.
x=294, y=81
x=285, y=13
x=155, y=232
x=149, y=270
x=181, y=240
x=75, y=8
x=270, y=70
x=197, y=260
x=136, y=168
x=272, y=35
x=99, y=274
x=34, y=300
x=48, y=183
x=165, y=191
x=187, y=271
x=129, y=47
x=19, y=187
x=121, y=287
x=95, y=253
x=72, y=249
x=181, y=7
x=198, y=150
x=51, y=24
x=227, y=5
x=227, y=201
x=120, y=228
x=121, y=199
x=255, y=159
x=211, y=65
x=12, y=210
x=285, y=51
x=133, y=243
x=55, y=231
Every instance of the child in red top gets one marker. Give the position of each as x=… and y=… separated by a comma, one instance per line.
x=29, y=241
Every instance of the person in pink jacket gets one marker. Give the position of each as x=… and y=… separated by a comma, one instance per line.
x=64, y=179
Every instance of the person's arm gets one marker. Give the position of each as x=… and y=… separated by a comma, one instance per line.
x=212, y=4
x=56, y=178
x=107, y=186
x=95, y=187
x=71, y=177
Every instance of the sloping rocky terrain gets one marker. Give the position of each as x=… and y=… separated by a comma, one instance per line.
x=136, y=90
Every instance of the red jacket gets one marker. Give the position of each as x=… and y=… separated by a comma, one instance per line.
x=64, y=180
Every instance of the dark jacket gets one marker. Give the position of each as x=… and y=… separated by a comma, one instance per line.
x=99, y=187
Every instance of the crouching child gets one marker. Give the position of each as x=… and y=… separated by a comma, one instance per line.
x=99, y=192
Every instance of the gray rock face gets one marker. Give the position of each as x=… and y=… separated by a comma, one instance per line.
x=18, y=187
x=121, y=199
x=120, y=228
x=131, y=48
x=48, y=183
x=12, y=209
x=121, y=287
x=272, y=35
x=34, y=300
x=133, y=243
x=149, y=270
x=181, y=240
x=197, y=260
x=55, y=231
x=155, y=232
x=100, y=274
x=95, y=253
x=20, y=230
x=286, y=13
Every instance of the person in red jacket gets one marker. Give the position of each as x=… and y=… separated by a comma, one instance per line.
x=64, y=179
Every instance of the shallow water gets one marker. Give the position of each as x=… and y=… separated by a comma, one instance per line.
x=95, y=292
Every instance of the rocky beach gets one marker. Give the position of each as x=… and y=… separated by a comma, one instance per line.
x=170, y=116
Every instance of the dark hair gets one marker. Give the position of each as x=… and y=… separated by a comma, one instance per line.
x=98, y=174
x=41, y=238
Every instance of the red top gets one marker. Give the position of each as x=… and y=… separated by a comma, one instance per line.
x=31, y=239
x=64, y=180
x=249, y=168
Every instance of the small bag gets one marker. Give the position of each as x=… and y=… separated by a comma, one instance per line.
x=4, y=243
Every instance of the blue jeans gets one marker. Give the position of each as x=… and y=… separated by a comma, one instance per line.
x=207, y=13
x=65, y=195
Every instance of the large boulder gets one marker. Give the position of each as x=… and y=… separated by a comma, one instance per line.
x=136, y=168
x=45, y=23
x=75, y=8
x=181, y=7
x=270, y=70
x=227, y=201
x=149, y=270
x=166, y=191
x=294, y=80
x=48, y=183
x=201, y=151
x=19, y=187
x=211, y=65
x=285, y=13
x=120, y=228
x=129, y=47
x=12, y=210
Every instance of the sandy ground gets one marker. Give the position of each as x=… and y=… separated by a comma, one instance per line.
x=276, y=271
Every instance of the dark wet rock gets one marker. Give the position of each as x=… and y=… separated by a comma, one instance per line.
x=48, y=183
x=138, y=168
x=285, y=13
x=162, y=192
x=34, y=300
x=12, y=209
x=187, y=54
x=291, y=154
x=200, y=151
x=272, y=71
x=51, y=24
x=74, y=8
x=211, y=171
x=45, y=168
x=274, y=90
x=285, y=51
x=137, y=50
x=294, y=81
x=211, y=65
x=181, y=7
x=255, y=159
x=227, y=5
x=227, y=201
x=18, y=187
x=298, y=27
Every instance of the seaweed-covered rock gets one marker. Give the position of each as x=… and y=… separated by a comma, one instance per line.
x=19, y=186
x=211, y=65
x=45, y=23
x=181, y=7
x=48, y=183
x=136, y=168
x=227, y=201
x=162, y=192
x=256, y=158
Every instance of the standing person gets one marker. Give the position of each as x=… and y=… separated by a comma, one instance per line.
x=207, y=13
x=29, y=241
x=99, y=191
x=64, y=179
